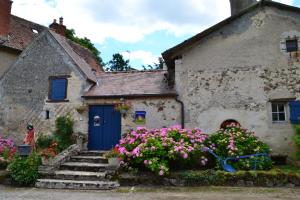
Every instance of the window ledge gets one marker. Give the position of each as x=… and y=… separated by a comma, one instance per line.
x=57, y=101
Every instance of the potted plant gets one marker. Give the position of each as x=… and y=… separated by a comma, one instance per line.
x=113, y=157
x=123, y=107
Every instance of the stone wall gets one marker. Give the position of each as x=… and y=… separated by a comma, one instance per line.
x=237, y=71
x=24, y=89
x=160, y=112
x=7, y=58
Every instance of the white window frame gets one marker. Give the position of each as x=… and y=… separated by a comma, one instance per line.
x=277, y=103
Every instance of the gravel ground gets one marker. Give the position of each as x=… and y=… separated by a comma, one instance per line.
x=153, y=193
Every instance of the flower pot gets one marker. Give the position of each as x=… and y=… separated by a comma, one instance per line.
x=123, y=111
x=24, y=150
x=113, y=162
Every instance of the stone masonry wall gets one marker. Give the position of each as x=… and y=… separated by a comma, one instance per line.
x=160, y=112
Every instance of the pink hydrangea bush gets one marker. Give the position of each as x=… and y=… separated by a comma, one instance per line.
x=7, y=149
x=233, y=141
x=156, y=149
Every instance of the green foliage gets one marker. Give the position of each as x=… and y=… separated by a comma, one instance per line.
x=157, y=66
x=118, y=63
x=234, y=141
x=297, y=138
x=24, y=171
x=64, y=131
x=44, y=141
x=85, y=42
x=252, y=178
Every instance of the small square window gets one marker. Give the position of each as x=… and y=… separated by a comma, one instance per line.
x=292, y=45
x=278, y=112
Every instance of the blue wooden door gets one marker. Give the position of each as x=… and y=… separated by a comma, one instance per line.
x=104, y=127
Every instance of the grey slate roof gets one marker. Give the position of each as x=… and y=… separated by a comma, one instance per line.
x=130, y=84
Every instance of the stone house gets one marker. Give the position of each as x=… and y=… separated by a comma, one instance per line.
x=245, y=69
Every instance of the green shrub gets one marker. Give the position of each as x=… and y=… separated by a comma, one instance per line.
x=234, y=141
x=64, y=132
x=24, y=171
x=44, y=141
x=297, y=139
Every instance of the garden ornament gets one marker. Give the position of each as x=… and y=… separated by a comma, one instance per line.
x=229, y=168
x=29, y=138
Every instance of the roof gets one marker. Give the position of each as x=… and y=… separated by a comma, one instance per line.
x=131, y=84
x=81, y=56
x=87, y=55
x=176, y=51
x=21, y=33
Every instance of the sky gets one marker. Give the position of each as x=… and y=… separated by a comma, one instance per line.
x=138, y=29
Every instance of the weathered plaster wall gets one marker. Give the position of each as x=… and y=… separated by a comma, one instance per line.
x=235, y=72
x=161, y=112
x=7, y=58
x=24, y=89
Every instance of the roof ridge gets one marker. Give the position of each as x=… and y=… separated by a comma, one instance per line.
x=135, y=71
x=29, y=21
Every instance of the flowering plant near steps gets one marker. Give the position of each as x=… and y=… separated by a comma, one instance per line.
x=235, y=141
x=7, y=150
x=49, y=152
x=123, y=106
x=156, y=149
x=114, y=153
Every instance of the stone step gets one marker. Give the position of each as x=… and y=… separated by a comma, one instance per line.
x=73, y=184
x=76, y=175
x=89, y=159
x=92, y=153
x=84, y=166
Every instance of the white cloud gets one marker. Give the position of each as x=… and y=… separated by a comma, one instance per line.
x=145, y=57
x=127, y=20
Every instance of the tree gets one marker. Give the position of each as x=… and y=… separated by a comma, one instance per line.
x=85, y=42
x=155, y=66
x=118, y=63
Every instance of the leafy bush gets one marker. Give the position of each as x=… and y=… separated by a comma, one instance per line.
x=297, y=138
x=63, y=133
x=157, y=149
x=234, y=141
x=24, y=171
x=44, y=141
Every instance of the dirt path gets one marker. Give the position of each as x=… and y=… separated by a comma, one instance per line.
x=207, y=193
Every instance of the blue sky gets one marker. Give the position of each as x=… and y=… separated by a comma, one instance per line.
x=139, y=29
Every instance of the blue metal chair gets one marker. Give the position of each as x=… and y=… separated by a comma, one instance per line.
x=229, y=168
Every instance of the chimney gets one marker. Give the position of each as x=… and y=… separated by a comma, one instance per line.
x=239, y=5
x=5, y=9
x=59, y=28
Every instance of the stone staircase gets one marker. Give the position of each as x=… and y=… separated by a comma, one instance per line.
x=86, y=171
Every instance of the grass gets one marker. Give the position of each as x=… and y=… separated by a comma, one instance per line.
x=289, y=169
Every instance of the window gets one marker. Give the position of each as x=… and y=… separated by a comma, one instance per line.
x=292, y=45
x=278, y=112
x=58, y=89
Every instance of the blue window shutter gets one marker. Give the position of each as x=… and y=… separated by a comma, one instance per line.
x=58, y=89
x=295, y=111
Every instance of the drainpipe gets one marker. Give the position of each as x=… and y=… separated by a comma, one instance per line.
x=182, y=111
